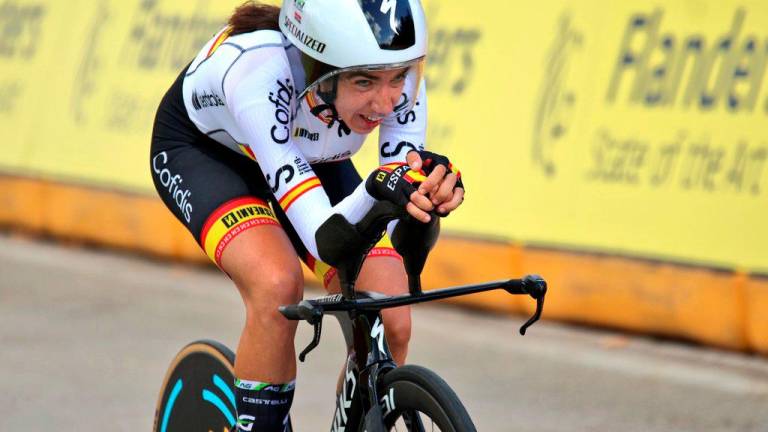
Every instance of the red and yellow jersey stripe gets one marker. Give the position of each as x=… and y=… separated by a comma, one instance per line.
x=219, y=40
x=246, y=149
x=230, y=220
x=297, y=191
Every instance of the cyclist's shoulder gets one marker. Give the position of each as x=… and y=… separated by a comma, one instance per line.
x=264, y=40
x=256, y=51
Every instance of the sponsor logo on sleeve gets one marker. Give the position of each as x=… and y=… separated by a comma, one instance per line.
x=387, y=151
x=285, y=172
x=203, y=99
x=281, y=98
x=302, y=165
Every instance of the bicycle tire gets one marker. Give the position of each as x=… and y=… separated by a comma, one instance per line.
x=197, y=393
x=414, y=389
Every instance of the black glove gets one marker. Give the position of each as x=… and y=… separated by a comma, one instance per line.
x=430, y=160
x=394, y=182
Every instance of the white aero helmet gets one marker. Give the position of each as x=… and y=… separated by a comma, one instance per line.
x=338, y=36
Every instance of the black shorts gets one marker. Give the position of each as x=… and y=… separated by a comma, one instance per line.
x=218, y=193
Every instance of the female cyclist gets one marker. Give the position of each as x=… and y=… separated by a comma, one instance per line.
x=250, y=151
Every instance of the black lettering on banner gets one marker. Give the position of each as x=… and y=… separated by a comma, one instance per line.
x=556, y=98
x=451, y=55
x=617, y=161
x=701, y=165
x=688, y=162
x=658, y=68
x=127, y=110
x=288, y=170
x=664, y=166
x=386, y=153
x=163, y=40
x=20, y=28
x=9, y=96
x=280, y=132
x=90, y=67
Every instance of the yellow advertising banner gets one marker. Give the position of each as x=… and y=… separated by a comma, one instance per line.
x=82, y=81
x=619, y=127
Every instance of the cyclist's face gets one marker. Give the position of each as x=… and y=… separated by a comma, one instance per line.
x=364, y=98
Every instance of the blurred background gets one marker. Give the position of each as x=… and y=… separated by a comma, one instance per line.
x=619, y=149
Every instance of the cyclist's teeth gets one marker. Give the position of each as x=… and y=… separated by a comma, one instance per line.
x=372, y=119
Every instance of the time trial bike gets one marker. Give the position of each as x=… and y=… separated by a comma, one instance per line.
x=376, y=395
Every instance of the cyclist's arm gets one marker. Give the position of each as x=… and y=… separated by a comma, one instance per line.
x=260, y=92
x=402, y=132
x=406, y=131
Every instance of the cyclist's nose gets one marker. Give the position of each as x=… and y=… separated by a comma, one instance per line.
x=384, y=100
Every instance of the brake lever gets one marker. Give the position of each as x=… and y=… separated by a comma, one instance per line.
x=311, y=313
x=536, y=287
x=318, y=328
x=535, y=317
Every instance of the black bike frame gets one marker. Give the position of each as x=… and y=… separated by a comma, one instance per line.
x=369, y=355
x=359, y=313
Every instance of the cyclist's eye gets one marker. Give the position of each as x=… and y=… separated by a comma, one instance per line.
x=398, y=79
x=363, y=83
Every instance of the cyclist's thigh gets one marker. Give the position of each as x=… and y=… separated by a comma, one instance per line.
x=384, y=274
x=263, y=264
x=221, y=197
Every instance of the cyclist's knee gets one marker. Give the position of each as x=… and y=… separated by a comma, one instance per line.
x=397, y=327
x=263, y=293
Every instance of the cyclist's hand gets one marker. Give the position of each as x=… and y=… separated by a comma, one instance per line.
x=397, y=183
x=443, y=185
x=449, y=196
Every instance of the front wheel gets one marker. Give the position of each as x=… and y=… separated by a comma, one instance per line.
x=415, y=399
x=197, y=394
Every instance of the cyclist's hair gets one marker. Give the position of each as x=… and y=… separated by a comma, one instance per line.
x=251, y=16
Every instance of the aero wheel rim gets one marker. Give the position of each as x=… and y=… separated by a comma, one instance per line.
x=414, y=410
x=197, y=393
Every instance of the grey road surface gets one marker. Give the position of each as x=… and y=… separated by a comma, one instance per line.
x=86, y=337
